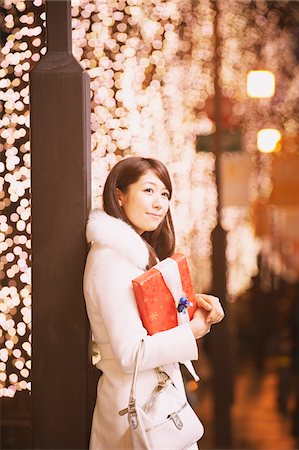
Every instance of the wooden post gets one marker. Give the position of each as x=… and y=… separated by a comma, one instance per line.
x=220, y=341
x=60, y=145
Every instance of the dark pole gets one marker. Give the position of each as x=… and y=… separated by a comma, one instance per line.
x=220, y=344
x=60, y=145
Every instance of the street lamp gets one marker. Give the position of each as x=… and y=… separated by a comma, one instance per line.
x=260, y=84
x=268, y=140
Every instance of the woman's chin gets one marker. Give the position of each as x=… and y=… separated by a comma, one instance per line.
x=150, y=228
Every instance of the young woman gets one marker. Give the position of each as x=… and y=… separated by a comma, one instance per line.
x=134, y=230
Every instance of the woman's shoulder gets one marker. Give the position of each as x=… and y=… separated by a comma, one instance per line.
x=114, y=238
x=100, y=257
x=109, y=267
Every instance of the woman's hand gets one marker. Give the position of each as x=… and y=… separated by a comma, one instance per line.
x=209, y=312
x=213, y=307
x=198, y=324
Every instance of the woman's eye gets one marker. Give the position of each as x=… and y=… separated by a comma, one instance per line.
x=151, y=191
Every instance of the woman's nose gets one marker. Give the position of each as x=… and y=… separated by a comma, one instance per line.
x=157, y=202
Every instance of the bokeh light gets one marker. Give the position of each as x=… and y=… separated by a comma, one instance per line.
x=260, y=84
x=268, y=139
x=24, y=32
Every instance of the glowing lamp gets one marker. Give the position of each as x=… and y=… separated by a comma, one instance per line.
x=267, y=140
x=260, y=84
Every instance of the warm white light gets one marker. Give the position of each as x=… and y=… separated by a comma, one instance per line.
x=260, y=84
x=267, y=140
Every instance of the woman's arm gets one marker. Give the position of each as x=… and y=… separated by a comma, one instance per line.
x=108, y=283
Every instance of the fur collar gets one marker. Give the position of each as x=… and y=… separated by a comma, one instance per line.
x=116, y=234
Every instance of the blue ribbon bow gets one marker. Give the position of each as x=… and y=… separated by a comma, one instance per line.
x=183, y=305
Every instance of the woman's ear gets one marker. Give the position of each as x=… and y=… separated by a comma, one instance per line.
x=119, y=196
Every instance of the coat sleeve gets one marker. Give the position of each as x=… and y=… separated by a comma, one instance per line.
x=108, y=283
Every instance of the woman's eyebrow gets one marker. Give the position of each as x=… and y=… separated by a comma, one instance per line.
x=149, y=182
x=154, y=184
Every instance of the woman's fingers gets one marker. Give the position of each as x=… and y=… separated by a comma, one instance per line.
x=203, y=303
x=216, y=313
x=214, y=318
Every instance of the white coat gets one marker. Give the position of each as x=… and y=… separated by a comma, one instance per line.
x=117, y=255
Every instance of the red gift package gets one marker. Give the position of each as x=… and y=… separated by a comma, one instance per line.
x=157, y=307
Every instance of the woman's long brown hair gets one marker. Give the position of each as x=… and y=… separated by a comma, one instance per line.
x=160, y=242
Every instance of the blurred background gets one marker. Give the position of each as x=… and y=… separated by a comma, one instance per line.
x=211, y=88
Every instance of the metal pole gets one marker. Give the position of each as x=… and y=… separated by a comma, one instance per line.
x=220, y=345
x=60, y=145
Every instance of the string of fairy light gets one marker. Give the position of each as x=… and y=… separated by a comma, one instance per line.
x=23, y=28
x=137, y=55
x=151, y=70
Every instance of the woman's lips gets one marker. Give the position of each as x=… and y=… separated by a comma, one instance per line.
x=155, y=216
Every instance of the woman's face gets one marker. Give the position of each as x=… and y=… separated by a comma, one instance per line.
x=145, y=203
